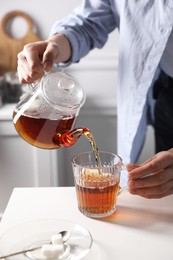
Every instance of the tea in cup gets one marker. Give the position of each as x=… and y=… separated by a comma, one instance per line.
x=97, y=187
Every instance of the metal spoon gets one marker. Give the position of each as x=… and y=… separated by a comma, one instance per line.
x=65, y=236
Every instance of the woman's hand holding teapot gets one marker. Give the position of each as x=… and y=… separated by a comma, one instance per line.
x=38, y=57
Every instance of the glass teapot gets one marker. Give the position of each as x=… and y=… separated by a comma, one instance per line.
x=46, y=114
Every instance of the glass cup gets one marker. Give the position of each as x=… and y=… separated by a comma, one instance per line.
x=97, y=188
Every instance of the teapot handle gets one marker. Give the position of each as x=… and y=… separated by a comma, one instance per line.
x=32, y=86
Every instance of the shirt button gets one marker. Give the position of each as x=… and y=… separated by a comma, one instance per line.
x=163, y=30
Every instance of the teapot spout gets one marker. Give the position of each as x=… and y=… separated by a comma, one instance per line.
x=70, y=138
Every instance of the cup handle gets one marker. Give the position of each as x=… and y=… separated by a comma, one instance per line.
x=122, y=189
x=125, y=188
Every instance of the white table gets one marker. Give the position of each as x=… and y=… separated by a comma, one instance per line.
x=141, y=229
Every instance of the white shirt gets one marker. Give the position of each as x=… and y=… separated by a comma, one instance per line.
x=144, y=27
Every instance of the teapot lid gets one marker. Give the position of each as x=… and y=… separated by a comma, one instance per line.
x=62, y=91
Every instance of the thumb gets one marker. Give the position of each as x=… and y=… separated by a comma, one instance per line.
x=47, y=65
x=131, y=167
x=50, y=56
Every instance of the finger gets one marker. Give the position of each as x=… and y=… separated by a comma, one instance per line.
x=21, y=79
x=131, y=167
x=33, y=53
x=160, y=161
x=153, y=196
x=24, y=76
x=50, y=55
x=47, y=65
x=152, y=180
x=23, y=68
x=158, y=191
x=27, y=74
x=22, y=60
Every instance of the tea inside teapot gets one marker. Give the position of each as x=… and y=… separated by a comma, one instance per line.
x=49, y=110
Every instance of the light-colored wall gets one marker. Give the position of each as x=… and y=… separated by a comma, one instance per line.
x=43, y=13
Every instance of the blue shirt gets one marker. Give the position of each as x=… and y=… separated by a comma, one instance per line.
x=144, y=28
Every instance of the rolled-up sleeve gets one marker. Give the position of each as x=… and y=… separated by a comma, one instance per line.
x=87, y=27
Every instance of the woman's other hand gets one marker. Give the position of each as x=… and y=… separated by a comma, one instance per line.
x=153, y=178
